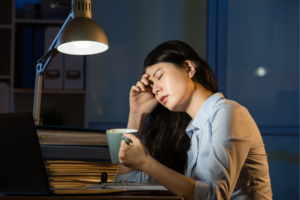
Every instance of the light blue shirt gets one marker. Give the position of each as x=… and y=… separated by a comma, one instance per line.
x=227, y=158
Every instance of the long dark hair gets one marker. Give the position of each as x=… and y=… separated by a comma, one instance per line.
x=165, y=136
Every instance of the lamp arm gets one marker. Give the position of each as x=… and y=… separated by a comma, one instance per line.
x=41, y=66
x=53, y=46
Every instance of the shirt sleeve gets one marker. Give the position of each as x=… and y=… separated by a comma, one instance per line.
x=133, y=176
x=231, y=142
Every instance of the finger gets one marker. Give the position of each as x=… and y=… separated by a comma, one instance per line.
x=145, y=81
x=141, y=85
x=121, y=157
x=121, y=154
x=132, y=137
x=145, y=75
x=135, y=88
x=123, y=145
x=123, y=150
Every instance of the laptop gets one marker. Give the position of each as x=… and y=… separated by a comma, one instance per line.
x=22, y=168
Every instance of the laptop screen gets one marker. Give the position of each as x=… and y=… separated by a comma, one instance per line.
x=22, y=169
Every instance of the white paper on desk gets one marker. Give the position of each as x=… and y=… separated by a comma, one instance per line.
x=95, y=187
x=136, y=186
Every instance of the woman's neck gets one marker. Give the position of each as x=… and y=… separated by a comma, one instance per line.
x=198, y=97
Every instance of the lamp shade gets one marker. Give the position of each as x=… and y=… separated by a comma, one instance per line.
x=82, y=36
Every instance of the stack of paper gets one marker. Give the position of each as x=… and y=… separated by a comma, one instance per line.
x=71, y=137
x=78, y=174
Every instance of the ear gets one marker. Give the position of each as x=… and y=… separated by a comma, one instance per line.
x=190, y=68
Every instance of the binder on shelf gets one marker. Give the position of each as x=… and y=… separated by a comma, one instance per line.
x=73, y=72
x=4, y=97
x=28, y=65
x=53, y=74
x=5, y=51
x=33, y=45
x=33, y=11
x=19, y=53
x=38, y=49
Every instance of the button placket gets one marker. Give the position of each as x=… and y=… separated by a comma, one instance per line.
x=196, y=133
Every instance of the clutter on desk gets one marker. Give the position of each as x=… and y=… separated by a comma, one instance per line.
x=78, y=174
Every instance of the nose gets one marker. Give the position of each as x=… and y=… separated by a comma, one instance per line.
x=156, y=89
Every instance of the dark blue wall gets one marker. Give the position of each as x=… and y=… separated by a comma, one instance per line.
x=283, y=158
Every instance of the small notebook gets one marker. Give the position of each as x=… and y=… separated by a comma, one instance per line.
x=148, y=185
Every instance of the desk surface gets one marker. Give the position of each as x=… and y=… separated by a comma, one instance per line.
x=3, y=197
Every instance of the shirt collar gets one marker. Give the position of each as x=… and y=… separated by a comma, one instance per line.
x=200, y=120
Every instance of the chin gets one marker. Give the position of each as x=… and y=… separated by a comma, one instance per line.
x=172, y=107
x=176, y=107
x=169, y=107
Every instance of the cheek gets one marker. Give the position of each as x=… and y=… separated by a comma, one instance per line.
x=177, y=88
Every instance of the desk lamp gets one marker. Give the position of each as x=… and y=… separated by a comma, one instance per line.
x=79, y=35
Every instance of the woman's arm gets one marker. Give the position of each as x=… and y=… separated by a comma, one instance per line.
x=137, y=157
x=231, y=141
x=135, y=121
x=177, y=183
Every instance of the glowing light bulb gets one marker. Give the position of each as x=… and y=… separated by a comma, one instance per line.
x=82, y=44
x=261, y=71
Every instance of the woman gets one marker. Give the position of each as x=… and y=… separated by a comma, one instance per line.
x=199, y=144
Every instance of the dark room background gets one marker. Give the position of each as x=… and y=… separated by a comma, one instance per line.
x=251, y=45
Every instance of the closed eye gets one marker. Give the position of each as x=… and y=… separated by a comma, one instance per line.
x=160, y=76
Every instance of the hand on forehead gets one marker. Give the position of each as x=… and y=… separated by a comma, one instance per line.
x=151, y=70
x=146, y=76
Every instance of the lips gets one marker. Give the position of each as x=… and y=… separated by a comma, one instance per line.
x=163, y=99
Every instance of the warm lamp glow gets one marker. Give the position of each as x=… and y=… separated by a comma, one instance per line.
x=72, y=49
x=82, y=44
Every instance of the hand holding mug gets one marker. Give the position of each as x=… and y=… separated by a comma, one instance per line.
x=134, y=155
x=114, y=138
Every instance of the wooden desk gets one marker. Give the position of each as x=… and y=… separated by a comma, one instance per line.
x=3, y=197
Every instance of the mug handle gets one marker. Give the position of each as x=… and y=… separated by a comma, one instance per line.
x=127, y=140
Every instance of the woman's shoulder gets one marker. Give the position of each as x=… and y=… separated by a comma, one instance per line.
x=227, y=108
x=227, y=104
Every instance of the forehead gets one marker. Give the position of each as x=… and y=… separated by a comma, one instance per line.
x=152, y=69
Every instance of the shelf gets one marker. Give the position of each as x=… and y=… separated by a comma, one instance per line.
x=72, y=105
x=4, y=77
x=31, y=91
x=13, y=20
x=5, y=26
x=39, y=21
